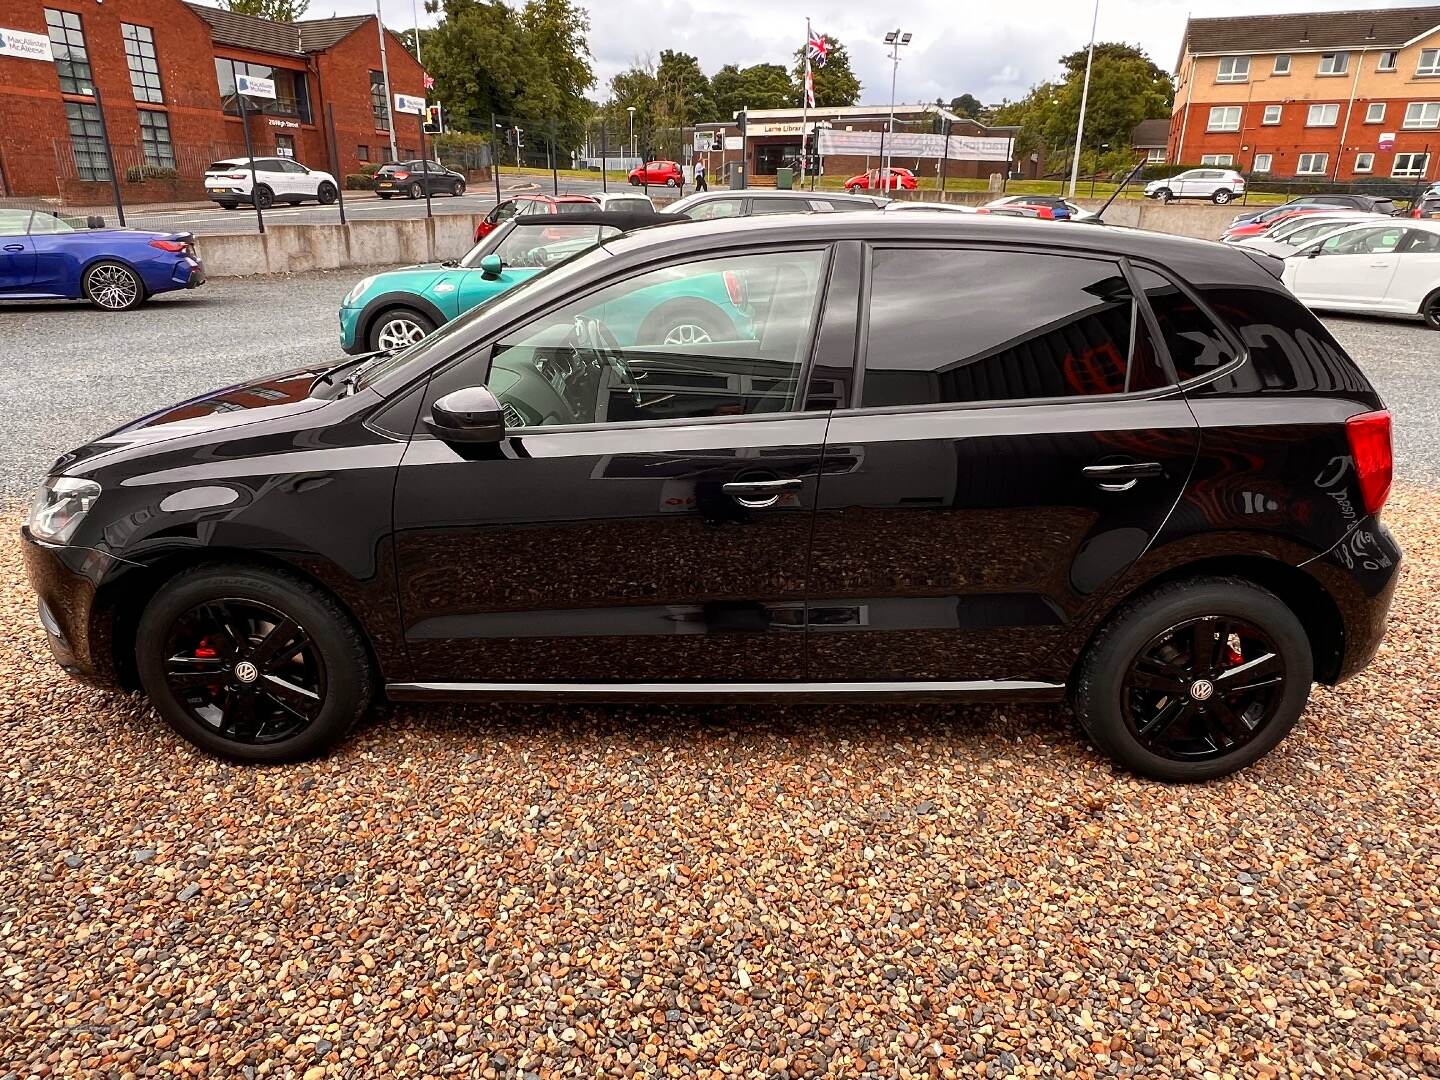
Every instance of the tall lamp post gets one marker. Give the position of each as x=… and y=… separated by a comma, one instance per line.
x=1084, y=99
x=894, y=39
x=631, y=110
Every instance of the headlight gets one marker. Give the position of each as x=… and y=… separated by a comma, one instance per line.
x=360, y=286
x=63, y=501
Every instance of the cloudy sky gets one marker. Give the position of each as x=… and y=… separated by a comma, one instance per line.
x=958, y=48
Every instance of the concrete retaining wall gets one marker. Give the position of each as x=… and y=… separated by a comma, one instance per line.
x=293, y=249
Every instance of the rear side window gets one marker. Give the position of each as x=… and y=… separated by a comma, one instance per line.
x=575, y=207
x=1196, y=345
x=954, y=326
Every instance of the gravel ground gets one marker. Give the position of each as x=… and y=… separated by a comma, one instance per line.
x=749, y=892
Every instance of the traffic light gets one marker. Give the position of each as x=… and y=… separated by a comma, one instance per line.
x=433, y=125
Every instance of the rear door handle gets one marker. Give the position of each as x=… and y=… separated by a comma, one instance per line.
x=1123, y=475
x=758, y=494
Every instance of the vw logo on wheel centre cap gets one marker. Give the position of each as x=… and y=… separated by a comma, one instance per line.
x=1200, y=689
x=247, y=672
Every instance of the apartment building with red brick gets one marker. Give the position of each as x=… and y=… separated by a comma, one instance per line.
x=1332, y=95
x=165, y=71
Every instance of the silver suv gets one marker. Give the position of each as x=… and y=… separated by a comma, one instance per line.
x=1217, y=185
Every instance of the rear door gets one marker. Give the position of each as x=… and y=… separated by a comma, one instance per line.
x=1014, y=449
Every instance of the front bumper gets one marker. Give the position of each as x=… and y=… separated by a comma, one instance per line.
x=66, y=581
x=349, y=326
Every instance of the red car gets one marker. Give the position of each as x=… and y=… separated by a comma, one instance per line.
x=897, y=179
x=533, y=204
x=657, y=172
x=1026, y=209
x=1269, y=221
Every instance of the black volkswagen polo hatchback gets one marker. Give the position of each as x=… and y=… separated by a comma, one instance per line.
x=851, y=456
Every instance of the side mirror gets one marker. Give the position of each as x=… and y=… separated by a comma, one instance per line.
x=1313, y=252
x=491, y=266
x=470, y=415
x=95, y=221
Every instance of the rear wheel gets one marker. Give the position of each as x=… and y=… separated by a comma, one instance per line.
x=383, y=195
x=325, y=193
x=228, y=205
x=1195, y=680
x=1221, y=197
x=414, y=191
x=264, y=197
x=685, y=322
x=253, y=665
x=670, y=182
x=398, y=328
x=634, y=181
x=113, y=286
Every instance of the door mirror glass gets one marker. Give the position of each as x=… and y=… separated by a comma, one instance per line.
x=471, y=415
x=491, y=266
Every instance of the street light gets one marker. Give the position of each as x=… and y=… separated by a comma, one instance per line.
x=631, y=110
x=1084, y=99
x=894, y=39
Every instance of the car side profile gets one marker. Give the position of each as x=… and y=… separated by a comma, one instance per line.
x=1218, y=185
x=413, y=178
x=275, y=179
x=892, y=179
x=45, y=256
x=936, y=456
x=708, y=205
x=1389, y=267
x=660, y=173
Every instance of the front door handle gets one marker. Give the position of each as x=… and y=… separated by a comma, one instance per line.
x=758, y=494
x=14, y=247
x=1122, y=475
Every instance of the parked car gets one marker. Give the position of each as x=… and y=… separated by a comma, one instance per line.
x=929, y=456
x=894, y=179
x=1370, y=204
x=753, y=202
x=277, y=179
x=1060, y=207
x=666, y=173
x=1263, y=224
x=1388, y=268
x=627, y=201
x=45, y=256
x=526, y=205
x=1427, y=206
x=410, y=178
x=1298, y=231
x=1217, y=185
x=396, y=308
x=897, y=205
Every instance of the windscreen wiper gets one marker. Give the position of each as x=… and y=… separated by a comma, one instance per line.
x=328, y=375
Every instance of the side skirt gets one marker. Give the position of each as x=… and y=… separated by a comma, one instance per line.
x=1016, y=690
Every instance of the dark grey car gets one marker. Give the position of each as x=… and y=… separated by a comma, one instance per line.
x=410, y=178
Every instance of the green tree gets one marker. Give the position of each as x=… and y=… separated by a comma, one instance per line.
x=685, y=89
x=277, y=10
x=967, y=105
x=760, y=86
x=635, y=87
x=835, y=83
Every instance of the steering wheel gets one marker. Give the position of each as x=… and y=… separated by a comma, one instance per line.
x=595, y=337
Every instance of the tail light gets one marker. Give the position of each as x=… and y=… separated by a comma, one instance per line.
x=168, y=245
x=235, y=176
x=400, y=174
x=735, y=286
x=1369, y=435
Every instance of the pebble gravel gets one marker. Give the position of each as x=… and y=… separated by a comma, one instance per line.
x=730, y=892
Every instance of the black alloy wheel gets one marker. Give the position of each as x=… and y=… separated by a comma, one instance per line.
x=1431, y=310
x=325, y=193
x=1203, y=688
x=265, y=197
x=245, y=670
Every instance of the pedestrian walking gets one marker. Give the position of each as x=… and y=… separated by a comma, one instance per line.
x=700, y=184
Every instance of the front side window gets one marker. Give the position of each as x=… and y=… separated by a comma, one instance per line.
x=379, y=101
x=1311, y=164
x=1224, y=118
x=719, y=337
x=1335, y=63
x=1378, y=241
x=1388, y=60
x=1364, y=163
x=1375, y=112
x=1322, y=116
x=67, y=43
x=140, y=56
x=1262, y=163
x=87, y=140
x=1422, y=114
x=952, y=326
x=1272, y=114
x=1429, y=62
x=715, y=208
x=1282, y=64
x=1233, y=69
x=1410, y=165
x=155, y=139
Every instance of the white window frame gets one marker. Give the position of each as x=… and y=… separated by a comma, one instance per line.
x=1422, y=116
x=1272, y=115
x=1322, y=106
x=1277, y=69
x=1239, y=69
x=1429, y=63
x=1375, y=112
x=1319, y=164
x=1364, y=163
x=1339, y=63
x=1414, y=171
x=1389, y=60
x=1155, y=155
x=1218, y=161
x=1262, y=163
x=1225, y=111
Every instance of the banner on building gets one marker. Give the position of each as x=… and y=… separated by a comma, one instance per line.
x=905, y=144
x=25, y=46
x=254, y=86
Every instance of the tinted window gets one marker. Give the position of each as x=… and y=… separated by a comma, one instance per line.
x=716, y=208
x=1196, y=345
x=778, y=206
x=1424, y=243
x=575, y=207
x=721, y=337
x=953, y=325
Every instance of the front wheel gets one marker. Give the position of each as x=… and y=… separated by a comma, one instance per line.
x=670, y=182
x=264, y=197
x=414, y=191
x=399, y=328
x=326, y=193
x=113, y=286
x=457, y=188
x=1221, y=197
x=1163, y=195
x=1430, y=310
x=253, y=665
x=634, y=181
x=1195, y=680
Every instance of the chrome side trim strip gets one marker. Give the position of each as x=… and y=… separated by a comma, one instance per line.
x=1006, y=689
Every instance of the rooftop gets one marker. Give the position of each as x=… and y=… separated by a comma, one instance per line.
x=264, y=35
x=1368, y=28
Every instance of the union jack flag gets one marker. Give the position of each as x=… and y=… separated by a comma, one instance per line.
x=809, y=87
x=429, y=82
x=816, y=48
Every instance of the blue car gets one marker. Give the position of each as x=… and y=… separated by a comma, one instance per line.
x=47, y=257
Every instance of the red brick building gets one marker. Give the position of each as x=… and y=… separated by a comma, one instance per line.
x=165, y=71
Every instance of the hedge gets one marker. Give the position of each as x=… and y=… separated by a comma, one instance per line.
x=359, y=181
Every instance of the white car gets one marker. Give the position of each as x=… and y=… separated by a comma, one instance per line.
x=623, y=200
x=1217, y=185
x=1388, y=268
x=1302, y=230
x=277, y=179
x=896, y=206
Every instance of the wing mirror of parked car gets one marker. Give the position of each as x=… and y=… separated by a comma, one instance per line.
x=470, y=416
x=491, y=266
x=95, y=221
x=1313, y=251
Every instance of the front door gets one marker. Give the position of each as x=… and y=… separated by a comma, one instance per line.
x=648, y=516
x=17, y=251
x=1009, y=460
x=1353, y=268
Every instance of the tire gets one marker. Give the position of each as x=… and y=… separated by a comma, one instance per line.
x=385, y=195
x=1223, y=196
x=457, y=188
x=265, y=197
x=1163, y=195
x=670, y=182
x=634, y=181
x=685, y=322
x=112, y=286
x=386, y=328
x=229, y=205
x=1112, y=711
x=332, y=666
x=414, y=191
x=1430, y=310
x=325, y=193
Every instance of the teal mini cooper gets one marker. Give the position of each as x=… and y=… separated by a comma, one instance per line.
x=399, y=307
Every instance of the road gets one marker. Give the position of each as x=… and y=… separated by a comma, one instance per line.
x=72, y=372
